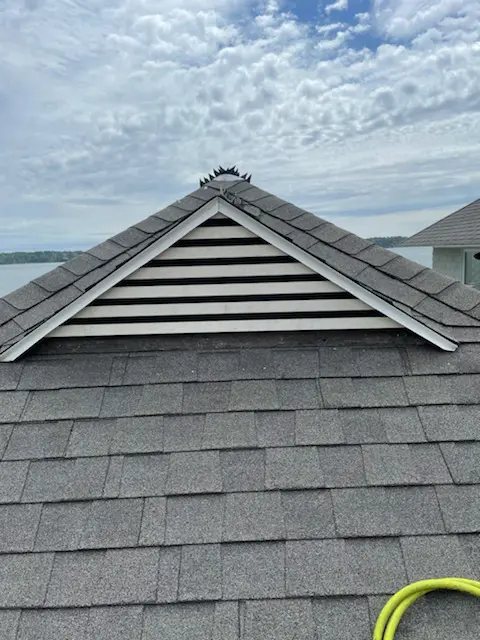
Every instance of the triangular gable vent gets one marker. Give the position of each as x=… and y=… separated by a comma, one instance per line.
x=222, y=277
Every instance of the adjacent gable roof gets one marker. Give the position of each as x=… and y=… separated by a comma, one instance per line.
x=425, y=301
x=459, y=229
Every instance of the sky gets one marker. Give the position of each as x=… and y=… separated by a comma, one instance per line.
x=365, y=112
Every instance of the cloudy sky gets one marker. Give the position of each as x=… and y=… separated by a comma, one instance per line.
x=366, y=112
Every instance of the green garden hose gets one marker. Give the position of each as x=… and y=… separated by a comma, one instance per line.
x=392, y=612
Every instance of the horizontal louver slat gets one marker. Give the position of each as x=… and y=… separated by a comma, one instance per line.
x=241, y=251
x=226, y=271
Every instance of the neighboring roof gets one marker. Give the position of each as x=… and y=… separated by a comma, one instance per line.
x=459, y=229
x=446, y=306
x=242, y=487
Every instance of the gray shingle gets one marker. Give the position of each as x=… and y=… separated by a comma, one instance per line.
x=55, y=279
x=328, y=232
x=8, y=624
x=46, y=309
x=194, y=472
x=115, y=623
x=184, y=432
x=253, y=570
x=402, y=268
x=342, y=262
x=218, y=365
x=463, y=460
x=137, y=435
x=394, y=289
x=179, y=622
x=63, y=404
x=18, y=526
x=106, y=250
x=152, y=399
x=275, y=428
x=114, y=477
x=38, y=440
x=144, y=475
x=52, y=480
x=73, y=578
x=5, y=433
x=287, y=211
x=229, y=430
x=428, y=557
x=112, y=523
x=444, y=314
x=200, y=573
x=10, y=333
x=279, y=619
x=127, y=576
x=91, y=438
x=404, y=464
x=130, y=237
x=169, y=366
x=61, y=526
x=253, y=394
x=460, y=507
x=460, y=297
x=343, y=567
x=67, y=624
x=12, y=403
x=308, y=514
x=93, y=371
x=376, y=255
x=402, y=424
x=318, y=426
x=298, y=394
x=379, y=511
x=27, y=296
x=444, y=389
x=342, y=466
x=152, y=224
x=82, y=264
x=168, y=574
x=445, y=422
x=243, y=470
x=255, y=364
x=429, y=360
x=340, y=362
x=10, y=374
x=117, y=372
x=24, y=579
x=254, y=516
x=290, y=468
x=12, y=480
x=196, y=519
x=361, y=426
x=205, y=396
x=296, y=363
x=363, y=392
x=153, y=522
x=346, y=618
x=226, y=621
x=7, y=311
x=352, y=244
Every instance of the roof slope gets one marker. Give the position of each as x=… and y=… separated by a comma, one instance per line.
x=459, y=229
x=439, y=302
x=247, y=487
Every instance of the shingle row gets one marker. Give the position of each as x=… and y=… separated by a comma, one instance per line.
x=248, y=364
x=239, y=395
x=230, y=430
x=179, y=473
x=234, y=571
x=251, y=516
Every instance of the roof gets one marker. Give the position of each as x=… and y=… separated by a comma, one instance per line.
x=459, y=229
x=244, y=486
x=434, y=300
x=237, y=487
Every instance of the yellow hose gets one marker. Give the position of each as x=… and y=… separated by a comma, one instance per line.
x=392, y=612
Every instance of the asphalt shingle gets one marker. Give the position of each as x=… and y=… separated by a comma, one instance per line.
x=195, y=519
x=194, y=472
x=12, y=480
x=144, y=475
x=254, y=516
x=63, y=404
x=451, y=422
x=363, y=392
x=38, y=440
x=200, y=397
x=24, y=579
x=253, y=394
x=115, y=623
x=169, y=366
x=184, y=432
x=112, y=523
x=347, y=618
x=231, y=430
x=460, y=506
x=342, y=466
x=66, y=624
x=12, y=404
x=61, y=526
x=463, y=461
x=282, y=619
x=127, y=576
x=275, y=428
x=8, y=624
x=18, y=526
x=243, y=470
x=308, y=514
x=93, y=371
x=153, y=522
x=179, y=622
x=298, y=394
x=168, y=574
x=73, y=578
x=253, y=570
x=318, y=426
x=428, y=557
x=291, y=468
x=200, y=573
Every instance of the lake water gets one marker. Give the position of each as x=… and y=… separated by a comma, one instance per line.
x=13, y=276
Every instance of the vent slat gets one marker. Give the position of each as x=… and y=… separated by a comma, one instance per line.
x=226, y=271
x=227, y=252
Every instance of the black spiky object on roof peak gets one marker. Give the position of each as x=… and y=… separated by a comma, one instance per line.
x=229, y=171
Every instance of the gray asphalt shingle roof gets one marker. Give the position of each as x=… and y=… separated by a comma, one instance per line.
x=243, y=486
x=237, y=487
x=459, y=229
x=439, y=302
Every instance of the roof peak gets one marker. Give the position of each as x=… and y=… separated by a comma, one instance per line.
x=222, y=174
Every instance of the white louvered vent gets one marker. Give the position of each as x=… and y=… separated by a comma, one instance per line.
x=221, y=277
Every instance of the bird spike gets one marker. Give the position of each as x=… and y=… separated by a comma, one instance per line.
x=244, y=177
x=249, y=178
x=217, y=173
x=222, y=170
x=211, y=177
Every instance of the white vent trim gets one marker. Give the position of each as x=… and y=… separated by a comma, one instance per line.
x=210, y=209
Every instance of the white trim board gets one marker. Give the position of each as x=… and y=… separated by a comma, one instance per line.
x=209, y=210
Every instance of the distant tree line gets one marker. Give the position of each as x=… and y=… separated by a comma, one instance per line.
x=23, y=257
x=389, y=241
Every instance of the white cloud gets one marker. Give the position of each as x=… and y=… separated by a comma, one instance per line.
x=338, y=5
x=110, y=109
